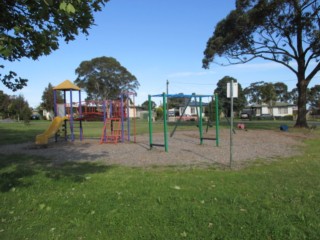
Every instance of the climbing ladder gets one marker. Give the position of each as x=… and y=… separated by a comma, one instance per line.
x=111, y=131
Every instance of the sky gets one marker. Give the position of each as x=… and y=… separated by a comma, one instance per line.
x=156, y=40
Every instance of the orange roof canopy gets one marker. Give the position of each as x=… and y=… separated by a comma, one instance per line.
x=67, y=85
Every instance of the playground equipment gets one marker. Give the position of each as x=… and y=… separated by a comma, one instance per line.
x=61, y=118
x=111, y=131
x=74, y=113
x=200, y=118
x=100, y=110
x=51, y=131
x=112, y=109
x=68, y=86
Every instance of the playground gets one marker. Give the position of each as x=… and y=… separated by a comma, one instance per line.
x=192, y=147
x=69, y=116
x=184, y=149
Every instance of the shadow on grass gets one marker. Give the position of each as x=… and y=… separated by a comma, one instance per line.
x=15, y=169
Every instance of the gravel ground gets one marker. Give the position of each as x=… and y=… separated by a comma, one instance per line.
x=184, y=149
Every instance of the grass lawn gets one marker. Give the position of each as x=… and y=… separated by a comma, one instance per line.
x=279, y=200
x=18, y=132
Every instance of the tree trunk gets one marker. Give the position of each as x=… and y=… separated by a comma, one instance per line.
x=302, y=104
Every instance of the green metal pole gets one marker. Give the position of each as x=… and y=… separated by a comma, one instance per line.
x=165, y=132
x=200, y=121
x=217, y=119
x=150, y=121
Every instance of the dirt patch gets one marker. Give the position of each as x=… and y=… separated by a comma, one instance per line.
x=184, y=149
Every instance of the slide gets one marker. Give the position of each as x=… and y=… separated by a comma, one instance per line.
x=51, y=131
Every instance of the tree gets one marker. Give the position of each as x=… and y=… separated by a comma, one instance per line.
x=19, y=108
x=159, y=112
x=145, y=105
x=268, y=93
x=224, y=102
x=274, y=30
x=33, y=28
x=4, y=102
x=293, y=96
x=281, y=90
x=262, y=92
x=26, y=113
x=105, y=78
x=314, y=97
x=48, y=98
x=15, y=107
x=211, y=110
x=253, y=92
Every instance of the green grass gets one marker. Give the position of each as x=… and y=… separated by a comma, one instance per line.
x=18, y=132
x=38, y=200
x=260, y=124
x=92, y=201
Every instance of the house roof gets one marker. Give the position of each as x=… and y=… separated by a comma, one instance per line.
x=67, y=85
x=277, y=104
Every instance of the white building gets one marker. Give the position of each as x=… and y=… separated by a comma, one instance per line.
x=277, y=109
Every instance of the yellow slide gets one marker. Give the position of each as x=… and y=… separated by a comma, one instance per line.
x=51, y=131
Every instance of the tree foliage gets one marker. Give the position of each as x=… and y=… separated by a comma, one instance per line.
x=4, y=103
x=159, y=112
x=19, y=108
x=145, y=105
x=34, y=28
x=48, y=98
x=224, y=102
x=210, y=111
x=14, y=107
x=268, y=93
x=105, y=78
x=314, y=97
x=282, y=31
x=281, y=90
x=262, y=92
x=293, y=96
x=253, y=93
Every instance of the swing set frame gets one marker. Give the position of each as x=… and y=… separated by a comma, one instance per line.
x=165, y=124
